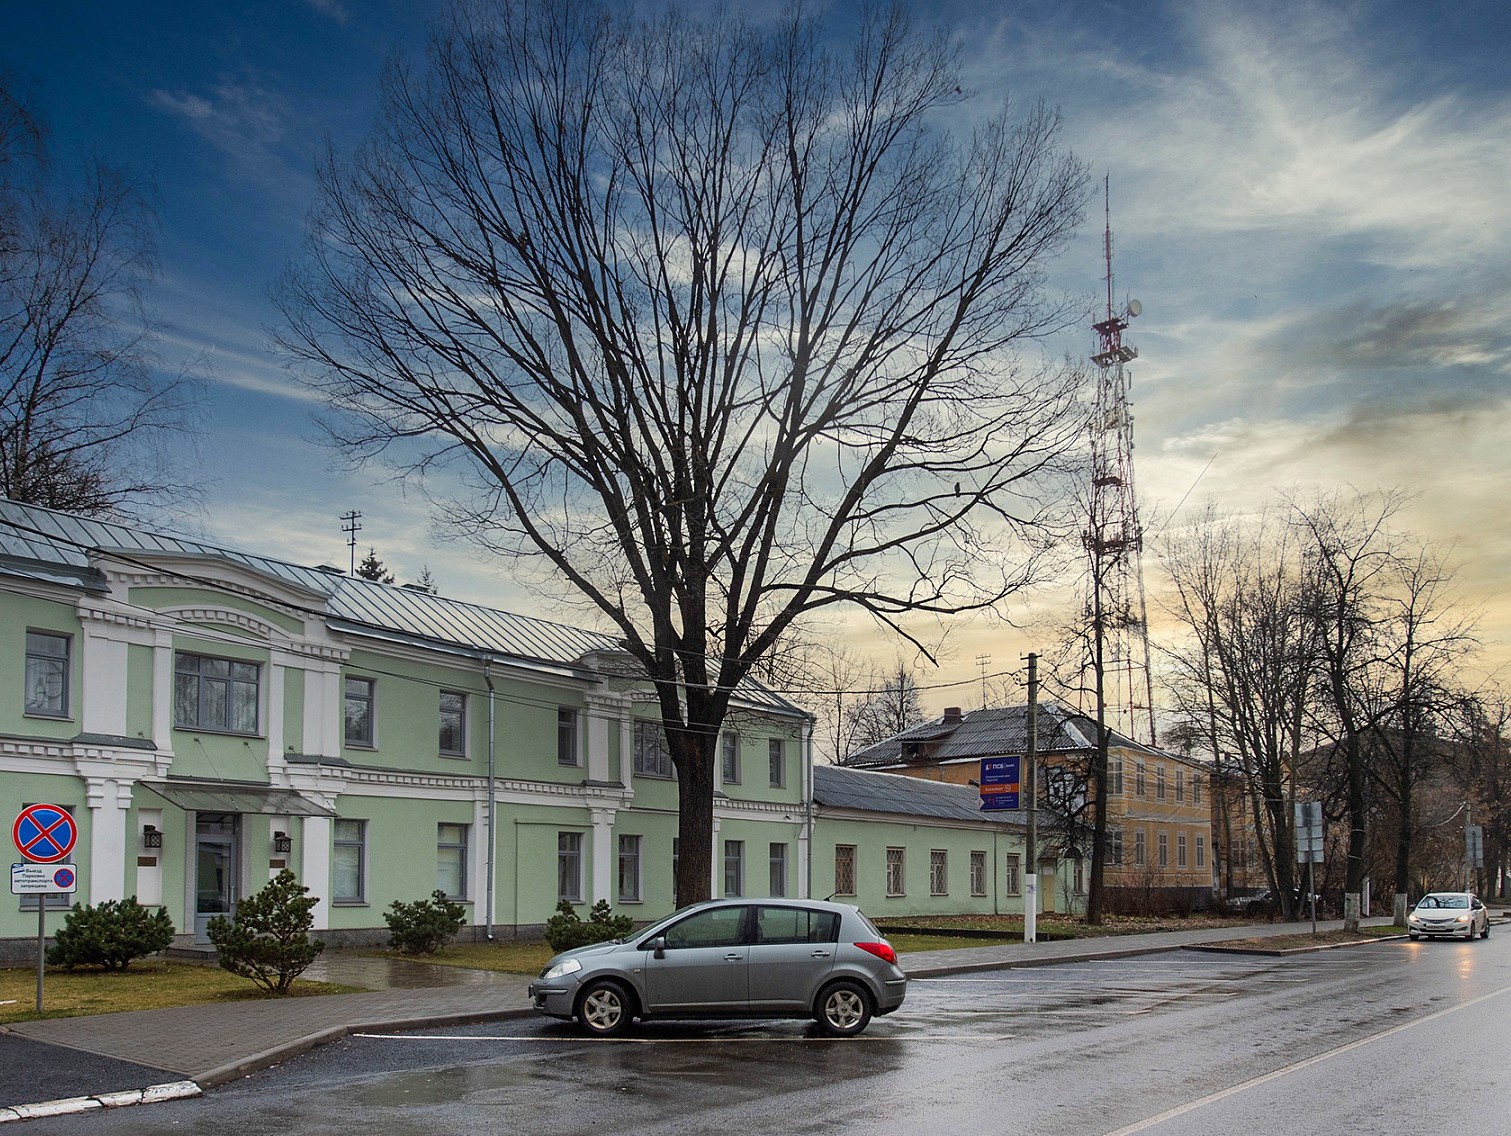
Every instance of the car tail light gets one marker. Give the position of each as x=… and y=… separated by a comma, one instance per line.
x=882, y=950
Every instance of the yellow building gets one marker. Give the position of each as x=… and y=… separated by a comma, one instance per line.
x=1159, y=805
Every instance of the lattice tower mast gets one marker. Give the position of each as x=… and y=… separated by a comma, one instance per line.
x=1115, y=538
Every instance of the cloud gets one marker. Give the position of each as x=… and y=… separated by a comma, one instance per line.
x=332, y=8
x=243, y=120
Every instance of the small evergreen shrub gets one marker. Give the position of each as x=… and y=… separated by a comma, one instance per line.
x=268, y=940
x=110, y=935
x=424, y=927
x=566, y=930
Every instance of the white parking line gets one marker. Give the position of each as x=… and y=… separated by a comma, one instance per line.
x=712, y=1040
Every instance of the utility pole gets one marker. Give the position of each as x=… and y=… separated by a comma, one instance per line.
x=1031, y=777
x=350, y=525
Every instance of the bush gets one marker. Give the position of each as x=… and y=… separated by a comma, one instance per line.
x=423, y=927
x=267, y=940
x=565, y=930
x=110, y=935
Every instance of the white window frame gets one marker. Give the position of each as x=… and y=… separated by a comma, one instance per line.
x=1012, y=874
x=448, y=713
x=776, y=763
x=1181, y=849
x=897, y=871
x=1140, y=849
x=729, y=757
x=1201, y=851
x=232, y=684
x=978, y=872
x=734, y=868
x=652, y=757
x=777, y=864
x=569, y=866
x=844, y=869
x=629, y=868
x=1162, y=849
x=358, y=842
x=452, y=840
x=370, y=701
x=939, y=871
x=42, y=668
x=567, y=750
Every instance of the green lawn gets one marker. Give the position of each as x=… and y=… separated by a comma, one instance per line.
x=145, y=985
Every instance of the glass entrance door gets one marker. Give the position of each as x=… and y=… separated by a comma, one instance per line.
x=215, y=869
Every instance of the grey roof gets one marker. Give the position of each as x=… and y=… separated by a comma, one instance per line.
x=991, y=732
x=898, y=795
x=45, y=545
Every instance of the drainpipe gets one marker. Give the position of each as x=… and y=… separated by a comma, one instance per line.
x=492, y=804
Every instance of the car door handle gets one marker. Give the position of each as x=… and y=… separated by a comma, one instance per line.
x=733, y=958
x=820, y=954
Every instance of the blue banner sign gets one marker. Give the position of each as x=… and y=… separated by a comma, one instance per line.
x=999, y=782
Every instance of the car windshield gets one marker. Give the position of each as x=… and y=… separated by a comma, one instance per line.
x=1446, y=901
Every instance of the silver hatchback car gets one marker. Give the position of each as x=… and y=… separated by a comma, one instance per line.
x=731, y=958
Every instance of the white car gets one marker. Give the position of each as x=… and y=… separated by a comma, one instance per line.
x=1449, y=914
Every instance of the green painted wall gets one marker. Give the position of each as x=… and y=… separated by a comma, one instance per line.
x=18, y=614
x=139, y=691
x=160, y=598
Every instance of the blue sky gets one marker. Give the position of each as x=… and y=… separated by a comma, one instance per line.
x=1311, y=200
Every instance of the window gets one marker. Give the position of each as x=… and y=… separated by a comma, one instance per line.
x=1201, y=848
x=566, y=736
x=359, y=711
x=1078, y=877
x=781, y=926
x=721, y=927
x=844, y=869
x=1138, y=778
x=629, y=869
x=729, y=754
x=47, y=674
x=939, y=872
x=1196, y=788
x=895, y=864
x=1115, y=846
x=569, y=866
x=778, y=766
x=349, y=862
x=215, y=694
x=1180, y=850
x=652, y=757
x=453, y=723
x=1159, y=783
x=1180, y=784
x=978, y=873
x=1012, y=876
x=1115, y=776
x=734, y=867
x=451, y=860
x=1140, y=849
x=1164, y=849
x=778, y=863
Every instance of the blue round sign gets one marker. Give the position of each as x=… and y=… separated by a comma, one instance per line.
x=44, y=834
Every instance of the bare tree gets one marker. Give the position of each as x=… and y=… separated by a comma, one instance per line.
x=1481, y=759
x=720, y=322
x=1241, y=678
x=894, y=704
x=85, y=416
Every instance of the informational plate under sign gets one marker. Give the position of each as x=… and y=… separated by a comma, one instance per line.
x=43, y=879
x=999, y=782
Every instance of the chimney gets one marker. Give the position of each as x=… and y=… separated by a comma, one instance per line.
x=952, y=715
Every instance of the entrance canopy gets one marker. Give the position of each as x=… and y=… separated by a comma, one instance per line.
x=235, y=797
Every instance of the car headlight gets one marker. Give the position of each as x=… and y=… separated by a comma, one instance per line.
x=562, y=969
x=1462, y=919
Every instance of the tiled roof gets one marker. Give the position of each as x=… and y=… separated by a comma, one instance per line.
x=41, y=544
x=897, y=795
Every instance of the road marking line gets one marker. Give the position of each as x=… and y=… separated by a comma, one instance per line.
x=576, y=1040
x=1255, y=1082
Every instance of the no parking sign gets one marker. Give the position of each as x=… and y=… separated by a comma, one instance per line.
x=44, y=834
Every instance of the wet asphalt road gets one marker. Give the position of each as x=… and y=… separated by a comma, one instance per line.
x=1166, y=1044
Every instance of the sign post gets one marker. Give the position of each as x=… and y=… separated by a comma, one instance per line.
x=44, y=835
x=1309, y=848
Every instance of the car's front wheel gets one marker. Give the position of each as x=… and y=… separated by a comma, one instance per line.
x=1485, y=934
x=1413, y=936
x=844, y=1009
x=604, y=1009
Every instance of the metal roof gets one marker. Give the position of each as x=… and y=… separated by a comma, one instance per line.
x=898, y=795
x=991, y=732
x=42, y=544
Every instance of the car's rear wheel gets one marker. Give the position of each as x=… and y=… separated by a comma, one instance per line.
x=605, y=1009
x=844, y=1009
x=1485, y=934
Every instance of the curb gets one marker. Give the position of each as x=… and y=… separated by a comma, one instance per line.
x=1277, y=952
x=1048, y=960
x=69, y=1106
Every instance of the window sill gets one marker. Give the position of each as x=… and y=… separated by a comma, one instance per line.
x=452, y=756
x=350, y=903
x=218, y=733
x=44, y=715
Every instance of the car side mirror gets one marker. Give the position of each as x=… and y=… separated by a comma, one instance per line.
x=657, y=946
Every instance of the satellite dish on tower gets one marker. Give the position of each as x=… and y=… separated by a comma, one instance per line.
x=1135, y=308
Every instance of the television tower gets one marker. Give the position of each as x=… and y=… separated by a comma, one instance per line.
x=1114, y=538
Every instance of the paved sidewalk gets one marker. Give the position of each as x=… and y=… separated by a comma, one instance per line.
x=181, y=1050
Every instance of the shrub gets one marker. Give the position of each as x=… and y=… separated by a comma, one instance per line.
x=423, y=927
x=110, y=935
x=565, y=930
x=267, y=940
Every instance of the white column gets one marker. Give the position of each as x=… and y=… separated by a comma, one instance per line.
x=315, y=865
x=626, y=748
x=104, y=682
x=162, y=692
x=605, y=855
x=273, y=727
x=108, y=800
x=597, y=737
